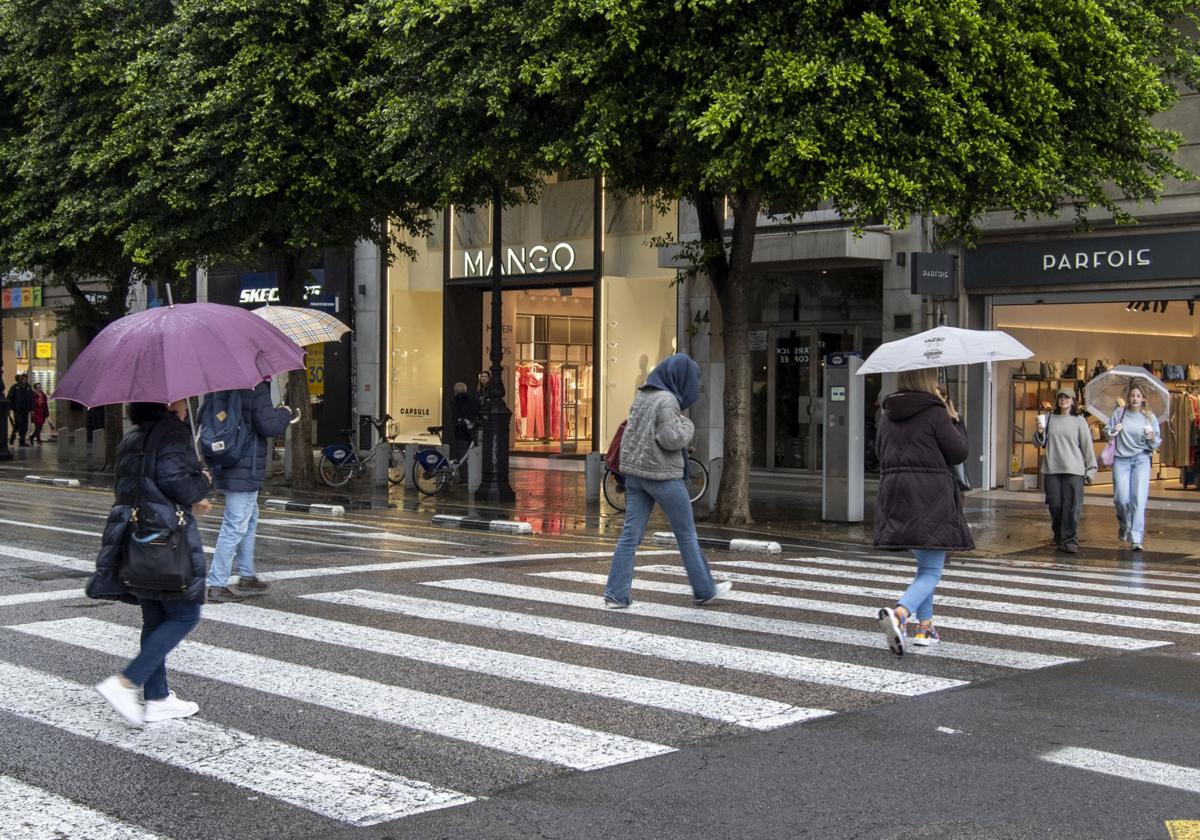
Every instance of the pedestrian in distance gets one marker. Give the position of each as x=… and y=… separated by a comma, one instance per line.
x=465, y=411
x=1135, y=430
x=41, y=413
x=20, y=401
x=654, y=463
x=1070, y=463
x=240, y=479
x=919, y=505
x=158, y=478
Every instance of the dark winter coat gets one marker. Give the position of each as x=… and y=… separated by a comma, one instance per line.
x=20, y=397
x=178, y=483
x=267, y=421
x=919, y=504
x=466, y=416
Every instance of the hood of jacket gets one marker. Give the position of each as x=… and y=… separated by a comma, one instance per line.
x=679, y=374
x=904, y=405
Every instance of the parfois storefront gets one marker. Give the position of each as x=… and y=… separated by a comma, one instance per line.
x=1083, y=304
x=586, y=313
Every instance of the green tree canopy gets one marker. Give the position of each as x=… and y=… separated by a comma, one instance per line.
x=883, y=110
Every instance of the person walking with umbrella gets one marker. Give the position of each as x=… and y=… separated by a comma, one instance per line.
x=919, y=506
x=1070, y=462
x=1135, y=431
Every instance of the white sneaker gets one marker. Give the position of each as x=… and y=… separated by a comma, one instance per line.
x=123, y=700
x=169, y=708
x=722, y=588
x=893, y=629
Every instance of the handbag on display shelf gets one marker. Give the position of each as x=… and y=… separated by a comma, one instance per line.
x=1193, y=371
x=1156, y=368
x=1101, y=366
x=1050, y=370
x=1174, y=373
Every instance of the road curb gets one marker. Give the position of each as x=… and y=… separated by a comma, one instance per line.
x=303, y=507
x=507, y=526
x=57, y=482
x=755, y=546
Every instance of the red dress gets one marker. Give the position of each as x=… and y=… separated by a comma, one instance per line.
x=41, y=409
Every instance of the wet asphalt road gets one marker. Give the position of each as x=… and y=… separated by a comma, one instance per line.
x=503, y=702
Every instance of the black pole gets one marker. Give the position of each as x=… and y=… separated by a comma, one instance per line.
x=495, y=415
x=5, y=453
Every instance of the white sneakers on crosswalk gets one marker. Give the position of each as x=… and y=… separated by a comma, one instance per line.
x=123, y=699
x=169, y=708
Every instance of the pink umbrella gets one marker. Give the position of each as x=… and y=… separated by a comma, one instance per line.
x=171, y=352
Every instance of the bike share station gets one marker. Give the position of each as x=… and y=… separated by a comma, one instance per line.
x=842, y=478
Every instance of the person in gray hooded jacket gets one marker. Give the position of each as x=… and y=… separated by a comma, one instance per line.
x=654, y=461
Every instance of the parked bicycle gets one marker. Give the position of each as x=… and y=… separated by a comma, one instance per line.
x=340, y=462
x=697, y=484
x=432, y=470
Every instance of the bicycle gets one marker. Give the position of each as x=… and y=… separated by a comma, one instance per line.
x=341, y=463
x=432, y=471
x=697, y=484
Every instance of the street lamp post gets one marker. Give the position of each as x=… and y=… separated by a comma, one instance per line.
x=495, y=414
x=5, y=452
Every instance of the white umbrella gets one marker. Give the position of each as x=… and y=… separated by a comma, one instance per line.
x=1106, y=391
x=303, y=326
x=944, y=347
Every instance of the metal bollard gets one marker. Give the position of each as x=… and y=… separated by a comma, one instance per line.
x=80, y=451
x=593, y=475
x=287, y=454
x=708, y=502
x=98, y=439
x=66, y=444
x=410, y=453
x=474, y=468
x=381, y=463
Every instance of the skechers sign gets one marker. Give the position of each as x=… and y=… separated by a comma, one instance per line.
x=260, y=287
x=538, y=259
x=1097, y=259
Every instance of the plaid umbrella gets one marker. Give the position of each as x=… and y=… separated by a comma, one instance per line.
x=304, y=326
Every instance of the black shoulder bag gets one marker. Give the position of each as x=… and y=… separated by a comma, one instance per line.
x=157, y=555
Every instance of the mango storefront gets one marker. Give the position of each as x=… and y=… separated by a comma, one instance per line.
x=586, y=313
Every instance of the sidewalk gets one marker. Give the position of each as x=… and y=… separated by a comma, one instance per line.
x=785, y=508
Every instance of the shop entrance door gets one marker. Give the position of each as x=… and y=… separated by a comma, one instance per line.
x=787, y=408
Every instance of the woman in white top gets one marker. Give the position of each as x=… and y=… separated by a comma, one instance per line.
x=1135, y=429
x=1070, y=462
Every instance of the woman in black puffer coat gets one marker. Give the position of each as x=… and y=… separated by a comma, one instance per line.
x=178, y=487
x=919, y=506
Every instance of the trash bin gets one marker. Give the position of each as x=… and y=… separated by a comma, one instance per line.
x=593, y=475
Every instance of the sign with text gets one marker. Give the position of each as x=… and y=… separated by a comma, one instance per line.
x=535, y=259
x=933, y=274
x=1097, y=259
x=315, y=360
x=43, y=349
x=21, y=297
x=261, y=287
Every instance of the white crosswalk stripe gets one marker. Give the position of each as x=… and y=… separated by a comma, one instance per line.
x=1015, y=630
x=950, y=584
x=787, y=666
x=1126, y=767
x=740, y=709
x=337, y=789
x=755, y=624
x=1124, y=585
x=30, y=813
x=1011, y=608
x=42, y=597
x=511, y=732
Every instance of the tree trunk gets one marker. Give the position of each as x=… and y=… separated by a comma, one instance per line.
x=291, y=270
x=733, y=501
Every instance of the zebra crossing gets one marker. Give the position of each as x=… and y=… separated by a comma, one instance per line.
x=754, y=662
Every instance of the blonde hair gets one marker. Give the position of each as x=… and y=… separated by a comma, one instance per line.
x=1140, y=385
x=925, y=379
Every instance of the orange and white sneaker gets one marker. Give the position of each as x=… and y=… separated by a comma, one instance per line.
x=925, y=635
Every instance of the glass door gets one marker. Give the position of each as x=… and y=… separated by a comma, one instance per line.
x=787, y=409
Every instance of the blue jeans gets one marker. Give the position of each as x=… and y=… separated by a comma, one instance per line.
x=164, y=626
x=1131, y=489
x=236, y=539
x=640, y=497
x=918, y=598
